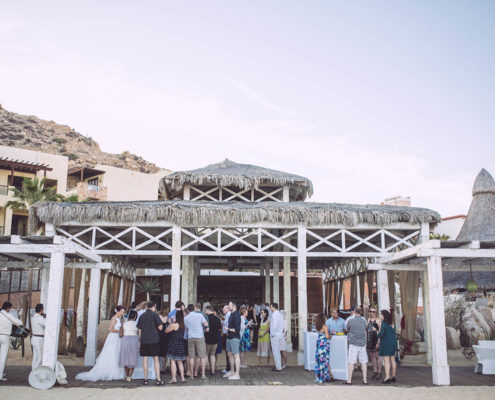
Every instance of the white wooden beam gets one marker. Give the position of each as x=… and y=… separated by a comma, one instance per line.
x=176, y=260
x=276, y=280
x=382, y=290
x=440, y=367
x=302, y=298
x=53, y=305
x=288, y=300
x=93, y=310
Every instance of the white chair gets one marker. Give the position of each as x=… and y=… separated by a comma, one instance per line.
x=486, y=359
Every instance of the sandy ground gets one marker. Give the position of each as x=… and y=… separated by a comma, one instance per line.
x=250, y=392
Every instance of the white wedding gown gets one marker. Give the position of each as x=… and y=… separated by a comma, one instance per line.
x=107, y=364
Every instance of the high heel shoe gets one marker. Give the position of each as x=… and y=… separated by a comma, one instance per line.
x=387, y=381
x=393, y=379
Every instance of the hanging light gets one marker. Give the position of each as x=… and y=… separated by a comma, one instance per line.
x=471, y=285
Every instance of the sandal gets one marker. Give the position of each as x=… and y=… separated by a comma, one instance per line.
x=146, y=382
x=171, y=381
x=346, y=383
x=159, y=382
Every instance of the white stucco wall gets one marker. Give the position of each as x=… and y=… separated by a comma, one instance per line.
x=126, y=185
x=58, y=163
x=450, y=226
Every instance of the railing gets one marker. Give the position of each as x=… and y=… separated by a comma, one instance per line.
x=4, y=190
x=93, y=188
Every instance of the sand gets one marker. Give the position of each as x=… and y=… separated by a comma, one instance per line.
x=250, y=392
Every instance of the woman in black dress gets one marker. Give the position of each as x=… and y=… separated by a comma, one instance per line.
x=373, y=342
x=163, y=339
x=176, y=351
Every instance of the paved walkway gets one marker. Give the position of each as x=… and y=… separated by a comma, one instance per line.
x=260, y=376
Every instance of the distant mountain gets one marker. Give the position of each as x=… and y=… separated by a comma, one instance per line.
x=32, y=133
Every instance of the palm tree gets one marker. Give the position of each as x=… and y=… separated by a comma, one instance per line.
x=148, y=286
x=33, y=191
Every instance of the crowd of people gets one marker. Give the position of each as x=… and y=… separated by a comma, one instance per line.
x=188, y=338
x=372, y=339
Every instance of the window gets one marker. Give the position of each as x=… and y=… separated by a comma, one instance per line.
x=93, y=182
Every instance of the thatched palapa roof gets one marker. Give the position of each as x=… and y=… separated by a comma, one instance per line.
x=230, y=174
x=479, y=225
x=209, y=213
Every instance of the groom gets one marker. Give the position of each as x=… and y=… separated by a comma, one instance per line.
x=148, y=326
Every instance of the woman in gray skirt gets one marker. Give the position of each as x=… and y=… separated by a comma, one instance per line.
x=129, y=347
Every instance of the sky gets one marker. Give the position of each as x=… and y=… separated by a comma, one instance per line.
x=368, y=99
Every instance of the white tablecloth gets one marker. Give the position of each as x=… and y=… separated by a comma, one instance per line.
x=338, y=354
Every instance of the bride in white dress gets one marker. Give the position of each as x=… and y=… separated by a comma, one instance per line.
x=107, y=364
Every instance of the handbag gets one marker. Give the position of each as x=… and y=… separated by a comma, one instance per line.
x=18, y=331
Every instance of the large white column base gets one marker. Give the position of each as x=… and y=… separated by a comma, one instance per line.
x=441, y=375
x=300, y=358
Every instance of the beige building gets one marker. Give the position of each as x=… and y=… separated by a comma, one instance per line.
x=98, y=183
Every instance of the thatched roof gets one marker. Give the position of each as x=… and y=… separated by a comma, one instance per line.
x=242, y=176
x=205, y=213
x=479, y=225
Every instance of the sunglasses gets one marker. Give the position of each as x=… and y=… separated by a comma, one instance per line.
x=372, y=311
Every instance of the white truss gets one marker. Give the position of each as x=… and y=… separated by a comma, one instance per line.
x=221, y=193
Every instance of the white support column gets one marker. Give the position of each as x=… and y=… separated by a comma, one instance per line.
x=358, y=292
x=93, y=308
x=382, y=290
x=285, y=194
x=44, y=274
x=187, y=277
x=276, y=280
x=49, y=230
x=339, y=284
x=103, y=301
x=302, y=292
x=53, y=305
x=80, y=305
x=175, y=279
x=197, y=272
x=287, y=301
x=121, y=293
x=440, y=367
x=133, y=296
x=426, y=315
x=186, y=195
x=267, y=283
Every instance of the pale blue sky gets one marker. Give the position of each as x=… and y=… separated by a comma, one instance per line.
x=368, y=99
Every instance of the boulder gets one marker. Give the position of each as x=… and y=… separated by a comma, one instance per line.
x=486, y=312
x=453, y=341
x=102, y=334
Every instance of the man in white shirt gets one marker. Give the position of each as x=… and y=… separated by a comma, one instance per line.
x=277, y=338
x=196, y=324
x=225, y=325
x=38, y=330
x=6, y=322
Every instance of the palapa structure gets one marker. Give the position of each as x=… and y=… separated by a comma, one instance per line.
x=474, y=250
x=229, y=213
x=479, y=225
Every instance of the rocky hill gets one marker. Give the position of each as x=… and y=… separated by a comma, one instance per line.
x=32, y=133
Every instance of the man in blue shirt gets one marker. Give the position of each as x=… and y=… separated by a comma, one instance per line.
x=335, y=324
x=179, y=305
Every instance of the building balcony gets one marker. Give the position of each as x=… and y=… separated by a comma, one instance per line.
x=85, y=191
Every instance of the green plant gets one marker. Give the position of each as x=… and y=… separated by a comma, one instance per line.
x=32, y=191
x=439, y=236
x=60, y=140
x=72, y=156
x=148, y=286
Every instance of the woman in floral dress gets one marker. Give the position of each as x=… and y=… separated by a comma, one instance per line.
x=322, y=357
x=245, y=335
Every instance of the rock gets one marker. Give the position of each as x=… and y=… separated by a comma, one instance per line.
x=102, y=334
x=480, y=320
x=488, y=316
x=453, y=341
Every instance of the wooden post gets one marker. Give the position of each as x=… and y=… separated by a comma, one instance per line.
x=53, y=304
x=358, y=292
x=302, y=297
x=267, y=283
x=285, y=193
x=287, y=301
x=440, y=367
x=382, y=290
x=93, y=308
x=133, y=295
x=276, y=280
x=120, y=300
x=187, y=193
x=175, y=279
x=186, y=278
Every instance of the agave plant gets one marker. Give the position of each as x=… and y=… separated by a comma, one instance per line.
x=148, y=286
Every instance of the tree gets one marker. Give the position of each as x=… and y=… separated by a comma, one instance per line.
x=33, y=191
x=148, y=286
